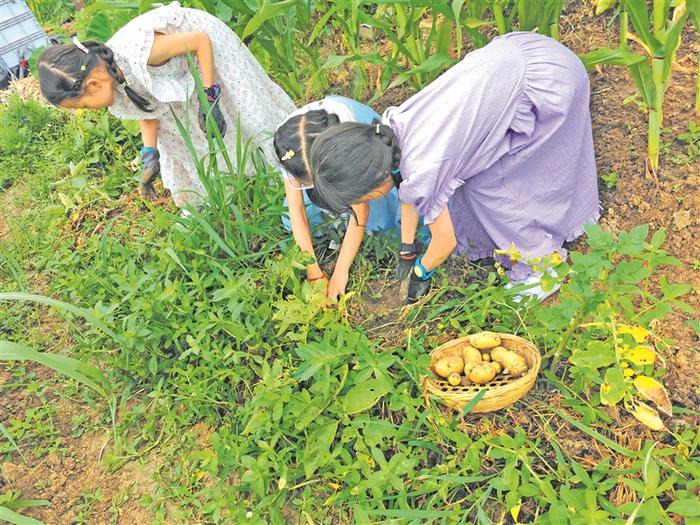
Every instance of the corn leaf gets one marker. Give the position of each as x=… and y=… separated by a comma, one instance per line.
x=81, y=372
x=264, y=13
x=606, y=55
x=640, y=20
x=88, y=315
x=10, y=516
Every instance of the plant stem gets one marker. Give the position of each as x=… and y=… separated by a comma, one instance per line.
x=623, y=30
x=569, y=332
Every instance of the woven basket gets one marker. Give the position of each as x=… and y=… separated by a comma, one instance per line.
x=501, y=392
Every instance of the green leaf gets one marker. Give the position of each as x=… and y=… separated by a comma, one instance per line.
x=266, y=12
x=614, y=387
x=9, y=438
x=596, y=355
x=687, y=507
x=695, y=325
x=81, y=372
x=612, y=445
x=365, y=395
x=596, y=237
x=99, y=28
x=472, y=402
x=317, y=445
x=606, y=55
x=673, y=291
x=658, y=238
x=10, y=516
x=82, y=312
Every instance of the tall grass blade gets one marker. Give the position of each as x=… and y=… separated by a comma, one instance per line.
x=10, y=516
x=12, y=442
x=80, y=312
x=596, y=435
x=74, y=368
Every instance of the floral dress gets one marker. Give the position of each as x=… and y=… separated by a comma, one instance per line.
x=248, y=93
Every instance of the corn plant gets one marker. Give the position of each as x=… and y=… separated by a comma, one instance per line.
x=659, y=35
x=532, y=15
x=271, y=31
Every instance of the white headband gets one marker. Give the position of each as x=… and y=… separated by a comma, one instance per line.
x=79, y=44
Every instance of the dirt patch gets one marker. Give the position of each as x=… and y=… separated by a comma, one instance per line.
x=71, y=477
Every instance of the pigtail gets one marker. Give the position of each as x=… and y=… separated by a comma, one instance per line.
x=64, y=68
x=388, y=138
x=107, y=56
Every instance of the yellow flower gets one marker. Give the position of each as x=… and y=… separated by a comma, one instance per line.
x=556, y=258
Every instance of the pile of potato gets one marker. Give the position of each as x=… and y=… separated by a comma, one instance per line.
x=479, y=361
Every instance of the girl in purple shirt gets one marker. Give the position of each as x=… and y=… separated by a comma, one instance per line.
x=498, y=151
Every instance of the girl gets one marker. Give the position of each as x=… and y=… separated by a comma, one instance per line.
x=143, y=73
x=293, y=141
x=496, y=152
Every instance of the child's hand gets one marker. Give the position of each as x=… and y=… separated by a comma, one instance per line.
x=337, y=285
x=151, y=169
x=213, y=97
x=418, y=287
x=407, y=258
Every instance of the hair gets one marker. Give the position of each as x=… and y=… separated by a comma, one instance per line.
x=64, y=68
x=298, y=135
x=351, y=160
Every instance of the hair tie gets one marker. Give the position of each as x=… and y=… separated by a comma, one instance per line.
x=376, y=130
x=79, y=44
x=123, y=84
x=290, y=154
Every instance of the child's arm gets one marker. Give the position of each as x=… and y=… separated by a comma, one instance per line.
x=442, y=241
x=409, y=223
x=149, y=132
x=300, y=227
x=348, y=251
x=166, y=47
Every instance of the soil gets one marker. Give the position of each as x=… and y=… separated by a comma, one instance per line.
x=619, y=131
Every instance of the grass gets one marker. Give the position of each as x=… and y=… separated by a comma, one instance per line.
x=305, y=411
x=204, y=351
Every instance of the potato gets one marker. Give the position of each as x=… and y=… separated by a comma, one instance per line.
x=496, y=366
x=481, y=374
x=486, y=357
x=484, y=340
x=448, y=365
x=454, y=379
x=515, y=364
x=470, y=354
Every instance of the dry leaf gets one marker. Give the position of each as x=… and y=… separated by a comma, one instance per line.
x=654, y=391
x=648, y=416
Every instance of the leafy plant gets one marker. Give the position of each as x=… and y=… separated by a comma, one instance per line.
x=607, y=308
x=659, y=36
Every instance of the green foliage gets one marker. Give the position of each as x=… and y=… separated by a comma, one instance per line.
x=606, y=310
x=658, y=31
x=262, y=403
